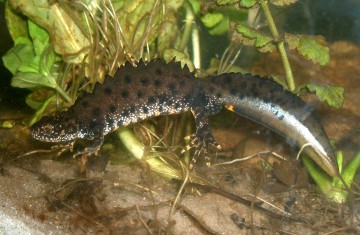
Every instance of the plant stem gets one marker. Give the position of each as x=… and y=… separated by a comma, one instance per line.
x=41, y=110
x=188, y=27
x=196, y=48
x=280, y=45
x=128, y=138
x=131, y=143
x=63, y=94
x=194, y=33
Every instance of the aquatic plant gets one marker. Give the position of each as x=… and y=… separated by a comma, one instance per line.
x=64, y=47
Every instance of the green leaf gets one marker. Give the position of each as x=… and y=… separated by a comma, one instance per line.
x=322, y=180
x=223, y=2
x=16, y=24
x=334, y=96
x=7, y=123
x=34, y=104
x=254, y=37
x=248, y=3
x=262, y=40
x=349, y=172
x=233, y=13
x=340, y=161
x=37, y=98
x=174, y=5
x=39, y=36
x=220, y=28
x=47, y=61
x=212, y=19
x=170, y=54
x=333, y=188
x=167, y=36
x=30, y=68
x=319, y=176
x=18, y=56
x=311, y=47
x=217, y=23
x=23, y=40
x=195, y=5
x=41, y=110
x=32, y=80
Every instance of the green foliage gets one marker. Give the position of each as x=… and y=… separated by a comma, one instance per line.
x=170, y=54
x=32, y=60
x=312, y=48
x=35, y=60
x=19, y=56
x=16, y=24
x=350, y=171
x=260, y=40
x=333, y=96
x=195, y=5
x=224, y=2
x=218, y=20
x=166, y=35
x=212, y=19
x=7, y=123
x=141, y=25
x=32, y=80
x=89, y=41
x=333, y=188
x=248, y=3
x=217, y=23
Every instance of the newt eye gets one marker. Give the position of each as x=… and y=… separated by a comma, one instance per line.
x=47, y=128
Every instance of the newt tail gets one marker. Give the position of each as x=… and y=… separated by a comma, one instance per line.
x=269, y=104
x=137, y=93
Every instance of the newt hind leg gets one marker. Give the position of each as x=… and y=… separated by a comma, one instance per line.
x=202, y=139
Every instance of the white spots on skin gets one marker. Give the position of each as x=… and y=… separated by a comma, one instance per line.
x=281, y=121
x=139, y=114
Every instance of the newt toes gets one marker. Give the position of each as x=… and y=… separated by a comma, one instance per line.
x=137, y=93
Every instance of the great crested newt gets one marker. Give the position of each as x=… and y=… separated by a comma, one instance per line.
x=156, y=88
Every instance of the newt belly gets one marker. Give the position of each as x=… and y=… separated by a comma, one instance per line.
x=137, y=93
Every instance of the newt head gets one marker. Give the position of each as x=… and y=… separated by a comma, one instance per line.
x=59, y=128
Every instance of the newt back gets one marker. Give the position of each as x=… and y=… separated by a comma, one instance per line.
x=137, y=93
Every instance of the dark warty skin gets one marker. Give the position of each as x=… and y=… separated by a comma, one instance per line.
x=137, y=93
